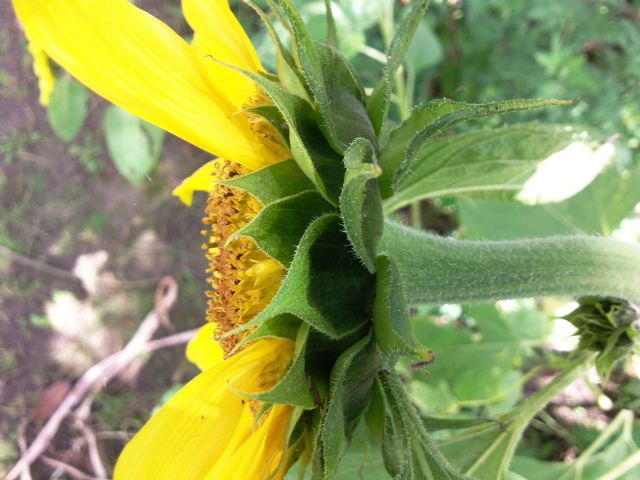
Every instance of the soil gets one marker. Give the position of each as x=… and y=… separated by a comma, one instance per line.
x=59, y=201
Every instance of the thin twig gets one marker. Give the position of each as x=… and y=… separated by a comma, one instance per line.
x=69, y=469
x=101, y=373
x=22, y=444
x=92, y=448
x=171, y=340
x=62, y=273
x=38, y=265
x=114, y=435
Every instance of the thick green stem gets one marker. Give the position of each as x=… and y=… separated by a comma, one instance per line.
x=441, y=270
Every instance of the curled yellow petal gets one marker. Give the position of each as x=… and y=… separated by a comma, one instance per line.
x=261, y=453
x=199, y=181
x=190, y=434
x=44, y=73
x=140, y=64
x=203, y=351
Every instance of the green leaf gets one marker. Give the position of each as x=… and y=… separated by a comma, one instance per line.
x=293, y=387
x=613, y=455
x=134, y=145
x=278, y=227
x=351, y=38
x=391, y=325
x=275, y=118
x=478, y=367
x=308, y=147
x=430, y=118
x=337, y=91
x=332, y=35
x=282, y=326
x=425, y=49
x=273, y=182
x=433, y=424
x=408, y=450
x=484, y=452
x=326, y=286
x=363, y=14
x=288, y=74
x=374, y=416
x=362, y=460
x=378, y=104
x=596, y=210
x=360, y=202
x=344, y=117
x=67, y=107
x=495, y=162
x=352, y=379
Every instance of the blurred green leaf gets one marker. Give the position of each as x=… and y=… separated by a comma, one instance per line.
x=425, y=49
x=363, y=14
x=134, y=145
x=494, y=163
x=477, y=359
x=598, y=209
x=406, y=143
x=613, y=449
x=68, y=107
x=485, y=451
x=351, y=37
x=39, y=320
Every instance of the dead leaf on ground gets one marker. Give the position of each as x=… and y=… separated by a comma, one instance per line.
x=89, y=269
x=50, y=399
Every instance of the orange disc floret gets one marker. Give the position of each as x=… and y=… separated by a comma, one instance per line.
x=243, y=278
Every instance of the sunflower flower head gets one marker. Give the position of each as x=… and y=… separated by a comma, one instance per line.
x=300, y=322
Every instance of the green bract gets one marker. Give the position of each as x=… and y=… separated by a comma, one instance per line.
x=352, y=272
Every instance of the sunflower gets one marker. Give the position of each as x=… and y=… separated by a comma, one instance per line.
x=134, y=60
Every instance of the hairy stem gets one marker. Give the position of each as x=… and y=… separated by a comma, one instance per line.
x=442, y=270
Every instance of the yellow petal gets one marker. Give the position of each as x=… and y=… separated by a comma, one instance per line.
x=200, y=180
x=218, y=34
x=203, y=350
x=188, y=436
x=261, y=455
x=266, y=272
x=137, y=62
x=43, y=71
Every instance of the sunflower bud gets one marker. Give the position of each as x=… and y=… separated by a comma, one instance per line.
x=608, y=326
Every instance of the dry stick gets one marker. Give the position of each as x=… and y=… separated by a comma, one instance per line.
x=62, y=273
x=100, y=374
x=38, y=265
x=22, y=443
x=69, y=469
x=92, y=448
